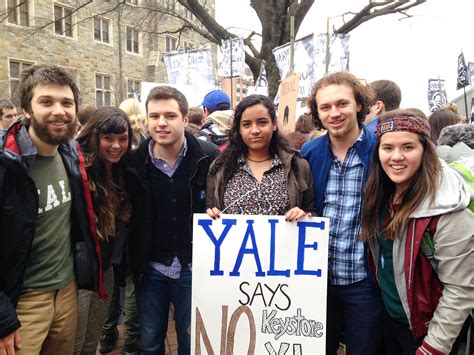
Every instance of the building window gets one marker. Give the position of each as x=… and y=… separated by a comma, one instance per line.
x=101, y=29
x=133, y=40
x=62, y=20
x=16, y=67
x=18, y=12
x=171, y=43
x=102, y=90
x=133, y=89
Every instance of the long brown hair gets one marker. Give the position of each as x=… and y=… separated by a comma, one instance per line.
x=108, y=193
x=380, y=189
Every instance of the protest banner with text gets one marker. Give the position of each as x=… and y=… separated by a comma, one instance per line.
x=259, y=285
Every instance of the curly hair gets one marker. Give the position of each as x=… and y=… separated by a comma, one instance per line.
x=108, y=194
x=362, y=94
x=236, y=148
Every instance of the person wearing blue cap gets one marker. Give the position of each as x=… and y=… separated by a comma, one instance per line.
x=216, y=100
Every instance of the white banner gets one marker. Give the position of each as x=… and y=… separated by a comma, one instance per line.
x=191, y=71
x=261, y=85
x=233, y=58
x=310, y=59
x=259, y=285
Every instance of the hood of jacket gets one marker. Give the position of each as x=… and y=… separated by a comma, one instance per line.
x=222, y=120
x=452, y=195
x=18, y=146
x=457, y=151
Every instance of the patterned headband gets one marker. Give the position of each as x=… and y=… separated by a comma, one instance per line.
x=405, y=123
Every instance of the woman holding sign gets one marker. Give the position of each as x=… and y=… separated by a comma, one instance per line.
x=258, y=173
x=421, y=238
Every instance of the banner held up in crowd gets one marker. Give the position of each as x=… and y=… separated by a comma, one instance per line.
x=191, y=71
x=233, y=58
x=437, y=98
x=310, y=59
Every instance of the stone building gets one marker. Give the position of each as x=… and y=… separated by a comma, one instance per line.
x=110, y=46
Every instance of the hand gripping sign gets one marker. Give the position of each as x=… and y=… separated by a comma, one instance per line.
x=259, y=285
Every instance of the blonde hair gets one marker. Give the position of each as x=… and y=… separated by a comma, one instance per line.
x=138, y=119
x=134, y=110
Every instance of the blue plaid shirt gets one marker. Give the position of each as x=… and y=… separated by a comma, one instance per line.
x=174, y=270
x=343, y=205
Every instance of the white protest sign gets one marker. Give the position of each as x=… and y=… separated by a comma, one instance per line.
x=191, y=72
x=259, y=285
x=233, y=61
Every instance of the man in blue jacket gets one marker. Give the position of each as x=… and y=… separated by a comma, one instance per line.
x=43, y=219
x=340, y=162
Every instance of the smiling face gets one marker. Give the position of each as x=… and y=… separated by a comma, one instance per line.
x=53, y=113
x=400, y=155
x=166, y=123
x=113, y=146
x=256, y=129
x=337, y=110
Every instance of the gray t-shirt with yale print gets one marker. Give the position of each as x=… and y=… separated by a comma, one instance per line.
x=50, y=264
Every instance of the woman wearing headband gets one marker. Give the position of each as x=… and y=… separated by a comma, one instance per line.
x=258, y=173
x=420, y=235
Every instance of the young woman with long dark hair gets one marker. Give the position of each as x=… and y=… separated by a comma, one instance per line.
x=258, y=173
x=420, y=235
x=105, y=140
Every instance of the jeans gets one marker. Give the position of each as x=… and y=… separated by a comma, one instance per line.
x=131, y=333
x=92, y=312
x=355, y=310
x=154, y=293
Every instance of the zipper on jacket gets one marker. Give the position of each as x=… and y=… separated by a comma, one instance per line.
x=410, y=274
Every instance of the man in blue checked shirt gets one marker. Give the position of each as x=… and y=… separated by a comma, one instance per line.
x=167, y=184
x=340, y=161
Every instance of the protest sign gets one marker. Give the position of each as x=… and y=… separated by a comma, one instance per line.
x=437, y=97
x=233, y=58
x=259, y=285
x=287, y=107
x=310, y=59
x=191, y=71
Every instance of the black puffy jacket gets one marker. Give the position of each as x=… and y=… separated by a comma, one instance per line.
x=18, y=211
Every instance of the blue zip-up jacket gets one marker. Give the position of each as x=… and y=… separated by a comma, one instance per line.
x=319, y=155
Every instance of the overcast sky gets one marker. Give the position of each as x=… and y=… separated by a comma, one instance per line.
x=408, y=51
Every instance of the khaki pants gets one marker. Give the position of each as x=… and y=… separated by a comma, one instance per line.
x=48, y=321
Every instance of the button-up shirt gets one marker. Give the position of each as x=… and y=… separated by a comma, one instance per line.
x=342, y=204
x=245, y=195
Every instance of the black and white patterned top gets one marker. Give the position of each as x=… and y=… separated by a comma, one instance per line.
x=245, y=195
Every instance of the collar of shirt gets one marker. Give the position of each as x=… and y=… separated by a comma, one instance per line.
x=160, y=163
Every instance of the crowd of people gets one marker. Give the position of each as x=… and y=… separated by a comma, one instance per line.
x=94, y=200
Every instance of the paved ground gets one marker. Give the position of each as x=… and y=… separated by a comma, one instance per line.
x=172, y=341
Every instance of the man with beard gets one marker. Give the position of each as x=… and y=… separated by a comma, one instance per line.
x=48, y=249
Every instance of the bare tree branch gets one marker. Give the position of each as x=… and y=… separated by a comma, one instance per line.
x=376, y=9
